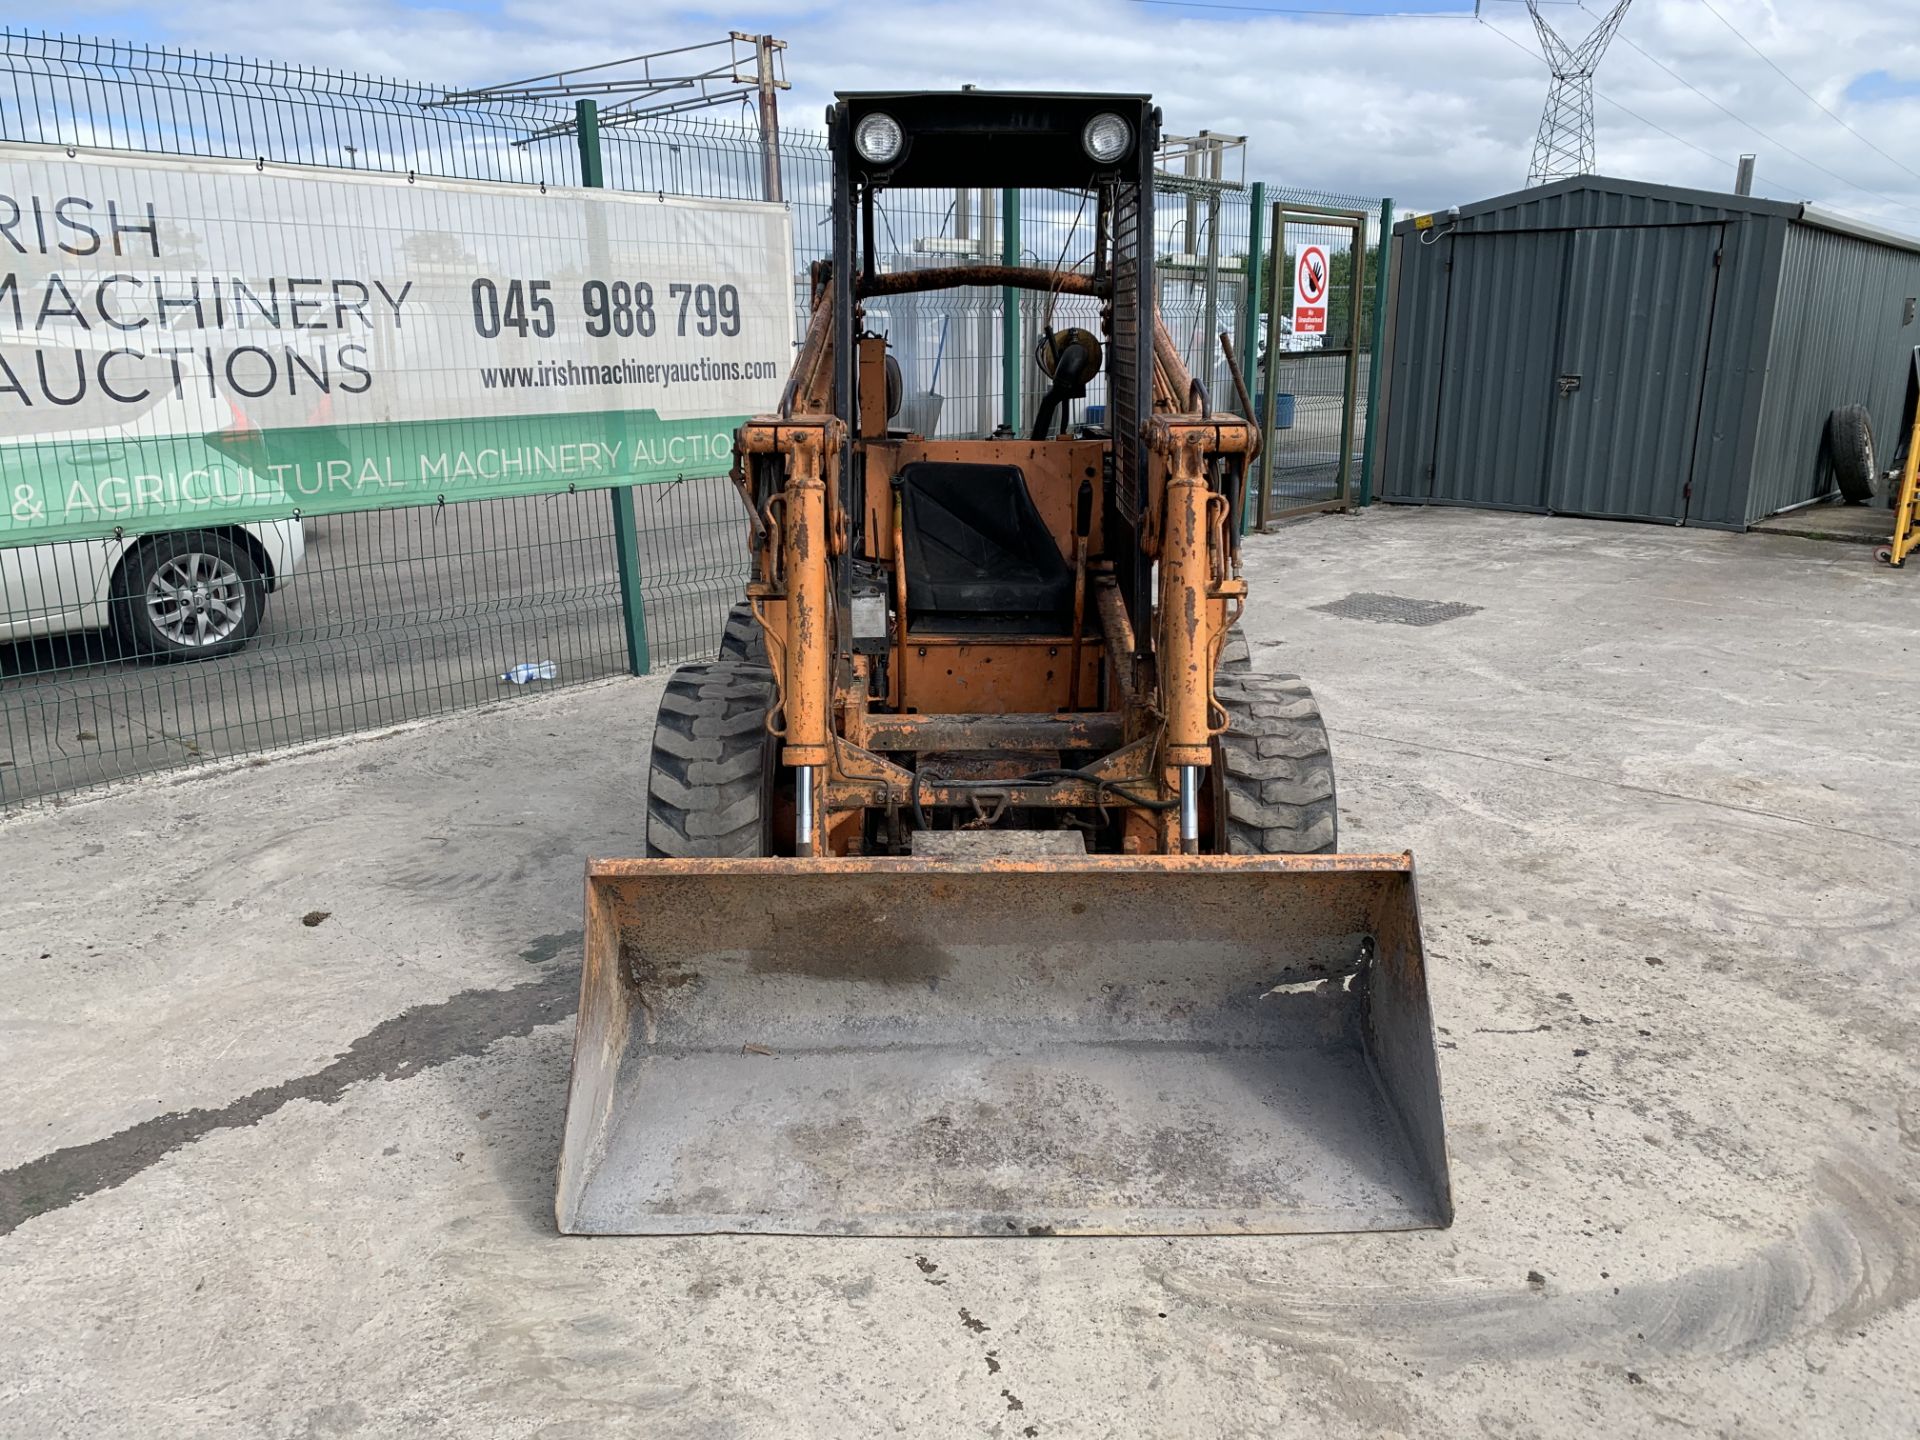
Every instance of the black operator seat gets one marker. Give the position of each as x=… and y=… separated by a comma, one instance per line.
x=978, y=555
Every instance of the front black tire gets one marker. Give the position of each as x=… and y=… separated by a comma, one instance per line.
x=1274, y=768
x=1236, y=654
x=710, y=788
x=1849, y=445
x=187, y=595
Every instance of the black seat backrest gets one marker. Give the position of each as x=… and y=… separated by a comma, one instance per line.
x=976, y=547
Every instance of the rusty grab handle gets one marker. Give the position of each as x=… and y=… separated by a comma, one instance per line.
x=1246, y=400
x=1018, y=277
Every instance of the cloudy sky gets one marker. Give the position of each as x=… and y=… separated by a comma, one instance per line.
x=1413, y=98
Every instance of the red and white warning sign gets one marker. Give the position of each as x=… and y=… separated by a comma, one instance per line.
x=1312, y=277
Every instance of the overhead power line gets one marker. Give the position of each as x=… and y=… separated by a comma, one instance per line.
x=1334, y=14
x=1781, y=145
x=1806, y=92
x=1698, y=150
x=1769, y=139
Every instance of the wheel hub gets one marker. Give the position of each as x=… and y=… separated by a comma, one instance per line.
x=196, y=599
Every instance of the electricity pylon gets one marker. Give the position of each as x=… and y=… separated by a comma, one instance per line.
x=1564, y=145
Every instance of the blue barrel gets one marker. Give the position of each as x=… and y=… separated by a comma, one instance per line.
x=1282, y=410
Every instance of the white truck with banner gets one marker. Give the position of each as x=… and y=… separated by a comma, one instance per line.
x=198, y=344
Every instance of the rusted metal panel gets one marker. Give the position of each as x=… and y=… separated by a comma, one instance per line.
x=988, y=844
x=956, y=675
x=1034, y=732
x=1157, y=1045
x=1358, y=862
x=873, y=385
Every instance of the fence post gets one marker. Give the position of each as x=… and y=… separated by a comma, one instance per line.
x=1269, y=391
x=626, y=529
x=1251, y=301
x=1010, y=311
x=1374, y=406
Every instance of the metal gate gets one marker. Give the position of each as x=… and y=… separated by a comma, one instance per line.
x=1310, y=395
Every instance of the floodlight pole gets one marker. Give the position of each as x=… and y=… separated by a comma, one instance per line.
x=767, y=82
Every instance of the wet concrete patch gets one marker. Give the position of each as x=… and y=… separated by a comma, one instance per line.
x=415, y=1040
x=551, y=947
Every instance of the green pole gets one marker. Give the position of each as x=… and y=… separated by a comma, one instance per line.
x=586, y=119
x=1381, y=284
x=626, y=528
x=1250, y=320
x=1010, y=311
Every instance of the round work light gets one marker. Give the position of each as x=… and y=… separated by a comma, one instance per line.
x=879, y=138
x=1106, y=138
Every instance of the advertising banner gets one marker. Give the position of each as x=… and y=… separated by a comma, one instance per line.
x=193, y=342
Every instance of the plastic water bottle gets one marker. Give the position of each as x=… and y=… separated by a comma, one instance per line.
x=525, y=671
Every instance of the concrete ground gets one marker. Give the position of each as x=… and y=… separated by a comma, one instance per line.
x=264, y=1178
x=1856, y=524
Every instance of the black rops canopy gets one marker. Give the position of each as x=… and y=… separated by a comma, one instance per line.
x=995, y=138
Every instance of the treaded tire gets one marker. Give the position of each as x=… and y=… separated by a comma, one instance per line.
x=743, y=639
x=710, y=786
x=1236, y=655
x=133, y=625
x=1275, y=768
x=1849, y=444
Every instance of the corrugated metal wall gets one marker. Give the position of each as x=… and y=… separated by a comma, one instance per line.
x=1419, y=326
x=1638, y=308
x=1718, y=378
x=1731, y=396
x=1840, y=336
x=1536, y=291
x=1476, y=430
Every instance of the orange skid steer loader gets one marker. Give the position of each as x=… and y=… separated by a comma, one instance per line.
x=989, y=889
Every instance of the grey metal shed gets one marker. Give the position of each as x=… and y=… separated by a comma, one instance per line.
x=1614, y=348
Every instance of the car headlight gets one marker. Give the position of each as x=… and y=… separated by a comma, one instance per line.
x=879, y=138
x=1106, y=138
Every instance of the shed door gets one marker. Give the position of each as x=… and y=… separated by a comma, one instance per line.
x=1633, y=355
x=1495, y=404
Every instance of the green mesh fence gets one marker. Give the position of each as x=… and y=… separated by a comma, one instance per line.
x=380, y=617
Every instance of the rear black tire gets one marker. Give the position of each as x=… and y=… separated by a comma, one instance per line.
x=1849, y=445
x=1274, y=768
x=743, y=639
x=710, y=786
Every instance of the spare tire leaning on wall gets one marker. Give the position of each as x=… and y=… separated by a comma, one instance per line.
x=1849, y=450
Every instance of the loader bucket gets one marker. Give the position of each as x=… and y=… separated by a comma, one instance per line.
x=1157, y=1046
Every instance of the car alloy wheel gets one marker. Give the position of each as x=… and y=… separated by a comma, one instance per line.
x=196, y=599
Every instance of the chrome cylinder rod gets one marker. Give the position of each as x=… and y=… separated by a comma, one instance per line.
x=1189, y=809
x=803, y=810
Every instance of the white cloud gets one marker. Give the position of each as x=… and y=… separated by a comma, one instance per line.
x=1434, y=112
